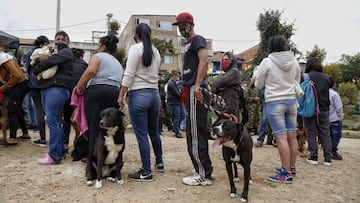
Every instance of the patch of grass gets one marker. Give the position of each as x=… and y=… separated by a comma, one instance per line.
x=348, y=135
x=351, y=134
x=129, y=130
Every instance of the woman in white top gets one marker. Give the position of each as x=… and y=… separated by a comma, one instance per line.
x=140, y=81
x=278, y=73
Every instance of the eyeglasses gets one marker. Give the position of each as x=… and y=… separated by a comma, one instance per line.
x=225, y=59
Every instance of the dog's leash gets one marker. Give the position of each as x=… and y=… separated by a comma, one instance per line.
x=217, y=100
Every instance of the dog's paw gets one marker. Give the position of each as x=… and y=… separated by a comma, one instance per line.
x=98, y=184
x=111, y=179
x=233, y=195
x=89, y=183
x=243, y=200
x=237, y=179
x=120, y=182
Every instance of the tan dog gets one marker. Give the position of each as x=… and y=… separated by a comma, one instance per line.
x=301, y=138
x=4, y=116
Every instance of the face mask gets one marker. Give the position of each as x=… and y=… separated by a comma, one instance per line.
x=185, y=32
x=60, y=45
x=225, y=64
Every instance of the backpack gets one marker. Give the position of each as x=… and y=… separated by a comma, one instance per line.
x=308, y=103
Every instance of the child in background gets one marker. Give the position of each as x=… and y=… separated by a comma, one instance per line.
x=335, y=119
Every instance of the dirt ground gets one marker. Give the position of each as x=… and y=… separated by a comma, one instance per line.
x=22, y=180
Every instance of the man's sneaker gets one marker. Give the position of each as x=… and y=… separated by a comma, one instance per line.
x=283, y=177
x=41, y=143
x=140, y=176
x=196, y=180
x=159, y=167
x=336, y=156
x=259, y=144
x=312, y=160
x=292, y=170
x=178, y=135
x=327, y=162
x=83, y=161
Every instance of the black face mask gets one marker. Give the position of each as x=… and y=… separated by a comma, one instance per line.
x=185, y=32
x=60, y=45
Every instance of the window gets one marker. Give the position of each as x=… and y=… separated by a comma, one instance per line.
x=142, y=20
x=183, y=42
x=164, y=25
x=167, y=59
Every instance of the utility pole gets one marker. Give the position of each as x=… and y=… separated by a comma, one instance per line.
x=109, y=16
x=58, y=16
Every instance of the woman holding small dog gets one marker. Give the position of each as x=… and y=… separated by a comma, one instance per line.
x=54, y=93
x=141, y=82
x=278, y=73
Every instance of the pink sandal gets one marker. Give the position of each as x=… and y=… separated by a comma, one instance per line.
x=47, y=160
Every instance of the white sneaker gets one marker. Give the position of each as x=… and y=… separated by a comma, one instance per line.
x=326, y=163
x=312, y=162
x=196, y=180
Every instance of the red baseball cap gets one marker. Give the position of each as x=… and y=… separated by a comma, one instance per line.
x=184, y=17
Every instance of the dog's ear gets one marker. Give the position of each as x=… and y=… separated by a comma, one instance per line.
x=240, y=127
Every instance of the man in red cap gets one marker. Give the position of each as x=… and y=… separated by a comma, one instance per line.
x=195, y=66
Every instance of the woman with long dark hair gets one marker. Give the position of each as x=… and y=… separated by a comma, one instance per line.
x=140, y=82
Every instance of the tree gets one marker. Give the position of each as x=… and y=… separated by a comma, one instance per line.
x=164, y=46
x=316, y=52
x=114, y=26
x=120, y=55
x=334, y=71
x=350, y=67
x=269, y=24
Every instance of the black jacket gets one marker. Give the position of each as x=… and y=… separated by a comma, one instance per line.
x=322, y=83
x=228, y=87
x=79, y=67
x=62, y=78
x=173, y=92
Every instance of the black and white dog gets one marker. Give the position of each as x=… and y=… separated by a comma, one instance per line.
x=107, y=159
x=236, y=148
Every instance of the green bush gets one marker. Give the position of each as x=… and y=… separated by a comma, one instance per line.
x=349, y=93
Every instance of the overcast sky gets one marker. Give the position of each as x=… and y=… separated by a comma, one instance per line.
x=331, y=24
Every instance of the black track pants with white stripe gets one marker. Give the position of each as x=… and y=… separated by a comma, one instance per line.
x=197, y=135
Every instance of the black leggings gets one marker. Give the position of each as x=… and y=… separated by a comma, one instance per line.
x=15, y=112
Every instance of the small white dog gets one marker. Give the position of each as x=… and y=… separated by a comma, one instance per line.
x=44, y=50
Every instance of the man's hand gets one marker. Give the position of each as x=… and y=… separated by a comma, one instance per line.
x=198, y=94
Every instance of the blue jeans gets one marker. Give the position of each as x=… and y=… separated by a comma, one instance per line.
x=282, y=115
x=28, y=107
x=53, y=100
x=144, y=109
x=178, y=116
x=335, y=133
x=263, y=125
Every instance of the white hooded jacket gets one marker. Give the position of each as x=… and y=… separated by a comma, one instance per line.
x=279, y=73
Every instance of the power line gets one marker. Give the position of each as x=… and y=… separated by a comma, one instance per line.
x=66, y=26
